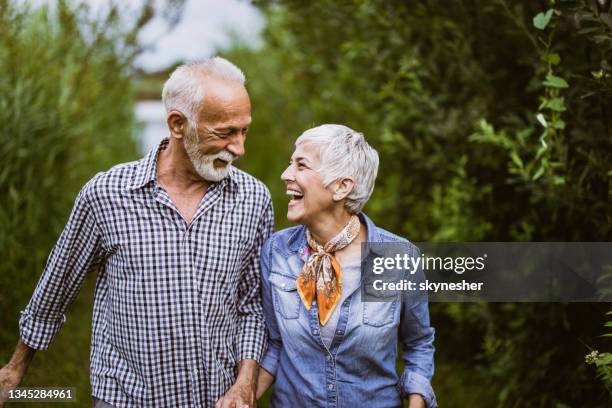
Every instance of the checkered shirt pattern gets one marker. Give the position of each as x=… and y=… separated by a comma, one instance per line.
x=177, y=305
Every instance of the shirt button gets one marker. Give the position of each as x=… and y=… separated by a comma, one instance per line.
x=330, y=386
x=328, y=358
x=339, y=332
x=315, y=331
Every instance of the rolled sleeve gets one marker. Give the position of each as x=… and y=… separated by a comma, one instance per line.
x=38, y=332
x=252, y=339
x=77, y=251
x=414, y=383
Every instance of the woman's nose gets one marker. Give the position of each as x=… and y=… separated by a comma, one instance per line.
x=287, y=175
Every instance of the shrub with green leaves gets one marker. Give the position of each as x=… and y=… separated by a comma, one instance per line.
x=66, y=106
x=493, y=120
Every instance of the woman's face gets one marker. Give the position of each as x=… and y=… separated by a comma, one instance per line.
x=309, y=199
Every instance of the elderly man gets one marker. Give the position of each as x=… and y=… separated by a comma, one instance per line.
x=176, y=239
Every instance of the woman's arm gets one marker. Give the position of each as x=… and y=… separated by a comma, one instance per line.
x=269, y=362
x=416, y=338
x=264, y=381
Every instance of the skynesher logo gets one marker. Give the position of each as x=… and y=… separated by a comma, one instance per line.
x=429, y=263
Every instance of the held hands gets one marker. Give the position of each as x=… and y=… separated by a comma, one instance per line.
x=240, y=395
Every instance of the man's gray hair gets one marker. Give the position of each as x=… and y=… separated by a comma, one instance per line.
x=345, y=153
x=184, y=92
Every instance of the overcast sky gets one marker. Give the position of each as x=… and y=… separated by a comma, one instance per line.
x=205, y=26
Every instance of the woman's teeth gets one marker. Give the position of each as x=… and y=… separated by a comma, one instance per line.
x=295, y=195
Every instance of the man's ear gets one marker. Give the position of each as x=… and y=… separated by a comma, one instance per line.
x=342, y=188
x=177, y=124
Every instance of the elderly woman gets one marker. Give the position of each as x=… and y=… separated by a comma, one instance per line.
x=328, y=348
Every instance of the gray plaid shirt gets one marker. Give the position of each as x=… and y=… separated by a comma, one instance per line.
x=177, y=306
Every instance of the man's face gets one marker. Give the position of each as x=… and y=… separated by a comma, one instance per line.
x=218, y=137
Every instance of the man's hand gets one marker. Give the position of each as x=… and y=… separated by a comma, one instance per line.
x=9, y=379
x=12, y=373
x=242, y=393
x=238, y=396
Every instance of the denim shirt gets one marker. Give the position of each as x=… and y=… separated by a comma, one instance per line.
x=359, y=368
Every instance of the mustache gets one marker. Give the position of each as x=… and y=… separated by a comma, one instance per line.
x=223, y=155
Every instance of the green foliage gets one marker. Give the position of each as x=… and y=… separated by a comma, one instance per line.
x=603, y=361
x=491, y=125
x=541, y=20
x=66, y=106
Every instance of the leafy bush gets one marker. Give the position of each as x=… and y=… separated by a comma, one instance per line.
x=493, y=121
x=66, y=106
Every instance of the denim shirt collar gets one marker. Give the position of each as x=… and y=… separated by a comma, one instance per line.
x=297, y=241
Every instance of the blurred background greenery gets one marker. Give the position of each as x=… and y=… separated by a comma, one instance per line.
x=493, y=120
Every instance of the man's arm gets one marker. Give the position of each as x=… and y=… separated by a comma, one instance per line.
x=251, y=341
x=12, y=373
x=77, y=251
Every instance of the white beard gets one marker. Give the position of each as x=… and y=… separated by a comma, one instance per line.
x=203, y=163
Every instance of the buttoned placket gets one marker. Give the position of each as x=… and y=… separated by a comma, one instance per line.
x=192, y=298
x=315, y=328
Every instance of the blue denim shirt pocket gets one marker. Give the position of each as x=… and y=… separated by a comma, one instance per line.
x=285, y=296
x=381, y=313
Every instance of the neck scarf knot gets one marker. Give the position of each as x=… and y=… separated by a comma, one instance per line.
x=321, y=275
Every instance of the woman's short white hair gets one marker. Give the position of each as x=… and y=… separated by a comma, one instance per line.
x=345, y=153
x=184, y=92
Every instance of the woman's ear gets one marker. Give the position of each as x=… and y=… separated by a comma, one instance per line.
x=342, y=188
x=177, y=123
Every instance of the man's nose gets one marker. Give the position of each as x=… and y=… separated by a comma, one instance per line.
x=236, y=146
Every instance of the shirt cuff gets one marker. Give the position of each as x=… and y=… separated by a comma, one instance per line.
x=270, y=360
x=252, y=343
x=414, y=383
x=38, y=333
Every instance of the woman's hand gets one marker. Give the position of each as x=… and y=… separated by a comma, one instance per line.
x=416, y=401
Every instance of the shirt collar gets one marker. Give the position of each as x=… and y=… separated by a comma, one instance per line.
x=146, y=170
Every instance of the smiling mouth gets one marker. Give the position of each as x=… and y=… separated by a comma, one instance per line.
x=296, y=196
x=220, y=163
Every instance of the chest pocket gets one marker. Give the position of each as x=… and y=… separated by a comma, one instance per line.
x=285, y=296
x=382, y=312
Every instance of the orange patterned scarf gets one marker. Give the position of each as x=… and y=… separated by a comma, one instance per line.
x=321, y=275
